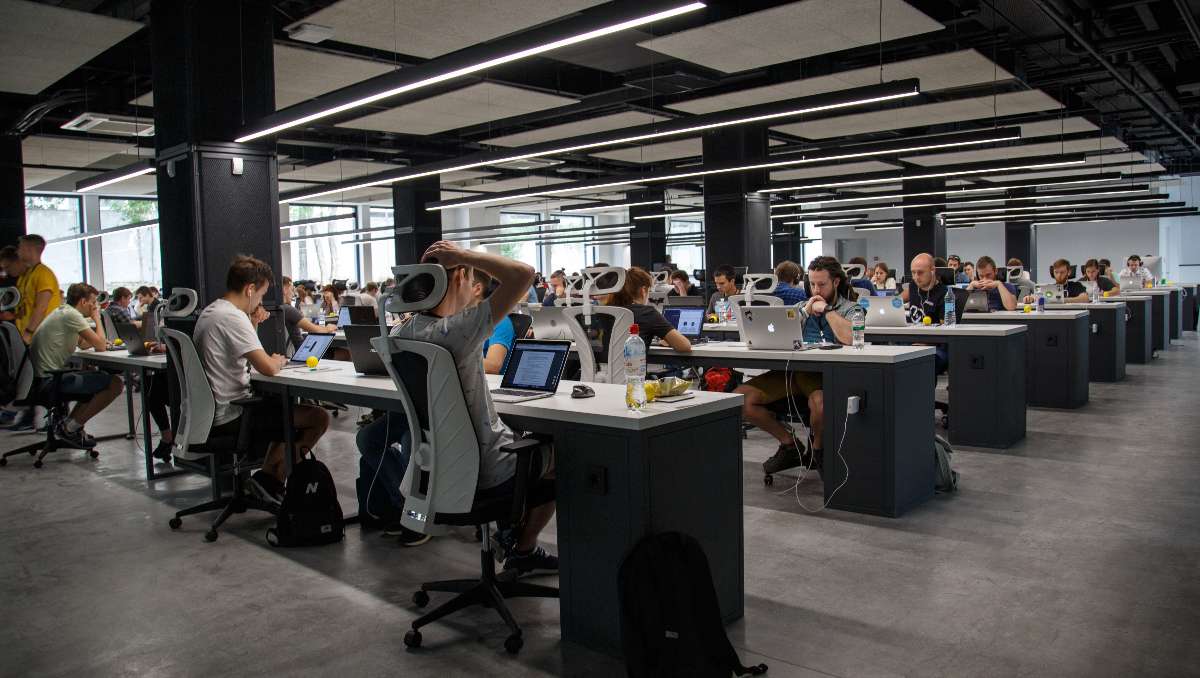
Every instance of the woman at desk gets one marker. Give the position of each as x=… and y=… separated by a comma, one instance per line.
x=635, y=296
x=1091, y=273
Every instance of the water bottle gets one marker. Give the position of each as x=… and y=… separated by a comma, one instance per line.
x=1041, y=302
x=1094, y=292
x=858, y=326
x=635, y=370
x=722, y=309
x=948, y=316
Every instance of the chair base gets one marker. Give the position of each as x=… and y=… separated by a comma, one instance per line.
x=489, y=590
x=40, y=449
x=238, y=502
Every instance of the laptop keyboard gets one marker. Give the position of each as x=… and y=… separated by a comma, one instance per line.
x=514, y=392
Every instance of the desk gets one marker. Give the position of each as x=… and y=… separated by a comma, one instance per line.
x=621, y=476
x=987, y=396
x=1160, y=316
x=1188, y=321
x=888, y=443
x=127, y=364
x=1106, y=347
x=1056, y=354
x=1139, y=335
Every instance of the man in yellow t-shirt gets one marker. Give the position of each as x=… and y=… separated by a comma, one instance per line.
x=38, y=286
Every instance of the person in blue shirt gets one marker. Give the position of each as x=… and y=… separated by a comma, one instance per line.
x=497, y=346
x=1001, y=295
x=789, y=288
x=862, y=283
x=558, y=287
x=955, y=262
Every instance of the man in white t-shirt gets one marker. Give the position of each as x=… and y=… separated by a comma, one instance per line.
x=1135, y=271
x=226, y=339
x=460, y=324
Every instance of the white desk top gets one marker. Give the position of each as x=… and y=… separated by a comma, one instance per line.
x=1146, y=291
x=735, y=350
x=1130, y=298
x=607, y=408
x=121, y=358
x=1087, y=305
x=959, y=329
x=721, y=327
x=1021, y=315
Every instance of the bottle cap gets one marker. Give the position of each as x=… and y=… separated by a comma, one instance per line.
x=633, y=329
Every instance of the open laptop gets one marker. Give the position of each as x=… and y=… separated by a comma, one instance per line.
x=779, y=328
x=532, y=370
x=313, y=345
x=688, y=321
x=1053, y=291
x=970, y=301
x=686, y=301
x=343, y=317
x=549, y=322
x=366, y=360
x=360, y=315
x=884, y=311
x=131, y=336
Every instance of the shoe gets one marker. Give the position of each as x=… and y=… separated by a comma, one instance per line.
x=536, y=560
x=786, y=457
x=162, y=452
x=78, y=439
x=8, y=418
x=21, y=421
x=408, y=537
x=265, y=487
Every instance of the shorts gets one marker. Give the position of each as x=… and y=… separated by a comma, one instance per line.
x=80, y=385
x=539, y=490
x=774, y=384
x=266, y=424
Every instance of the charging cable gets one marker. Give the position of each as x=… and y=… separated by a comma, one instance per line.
x=387, y=434
x=852, y=407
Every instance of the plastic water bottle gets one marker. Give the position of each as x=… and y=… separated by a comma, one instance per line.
x=1094, y=292
x=948, y=316
x=858, y=326
x=722, y=309
x=1041, y=302
x=635, y=370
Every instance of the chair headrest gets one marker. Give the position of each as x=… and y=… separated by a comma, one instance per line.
x=759, y=283
x=660, y=278
x=418, y=287
x=855, y=271
x=9, y=298
x=182, y=303
x=102, y=297
x=603, y=279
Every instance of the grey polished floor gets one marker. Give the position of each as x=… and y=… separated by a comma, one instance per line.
x=1076, y=553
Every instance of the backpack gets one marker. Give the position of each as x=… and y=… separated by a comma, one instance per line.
x=670, y=621
x=945, y=478
x=310, y=514
x=721, y=379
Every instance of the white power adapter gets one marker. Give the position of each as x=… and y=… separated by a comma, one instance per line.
x=852, y=404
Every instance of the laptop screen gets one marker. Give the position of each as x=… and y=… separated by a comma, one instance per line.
x=343, y=317
x=535, y=364
x=689, y=321
x=313, y=345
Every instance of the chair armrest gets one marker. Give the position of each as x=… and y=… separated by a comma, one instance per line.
x=523, y=448
x=247, y=401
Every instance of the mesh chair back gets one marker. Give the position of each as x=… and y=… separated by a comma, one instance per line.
x=20, y=362
x=197, y=407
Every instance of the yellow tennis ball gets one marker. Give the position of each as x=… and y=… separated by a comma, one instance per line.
x=926, y=320
x=312, y=361
x=1029, y=308
x=118, y=342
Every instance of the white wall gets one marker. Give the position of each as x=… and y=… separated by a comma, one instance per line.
x=882, y=245
x=1078, y=242
x=1179, y=237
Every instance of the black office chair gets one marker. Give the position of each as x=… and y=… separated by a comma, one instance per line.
x=196, y=449
x=521, y=324
x=439, y=487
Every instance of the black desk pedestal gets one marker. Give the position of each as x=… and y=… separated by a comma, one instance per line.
x=1056, y=358
x=1160, y=321
x=1188, y=320
x=1107, y=346
x=1176, y=322
x=1139, y=331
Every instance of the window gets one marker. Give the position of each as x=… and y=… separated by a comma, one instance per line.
x=54, y=217
x=383, y=254
x=521, y=251
x=322, y=259
x=131, y=257
x=686, y=257
x=570, y=257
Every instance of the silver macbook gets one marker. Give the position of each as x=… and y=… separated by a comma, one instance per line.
x=532, y=370
x=549, y=322
x=1053, y=292
x=313, y=345
x=779, y=328
x=884, y=311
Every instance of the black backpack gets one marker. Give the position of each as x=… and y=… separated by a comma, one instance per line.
x=670, y=621
x=310, y=514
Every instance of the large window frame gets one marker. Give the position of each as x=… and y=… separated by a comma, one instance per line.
x=136, y=228
x=60, y=245
x=314, y=237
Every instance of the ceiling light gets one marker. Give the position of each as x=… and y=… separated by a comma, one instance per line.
x=310, y=33
x=1109, y=209
x=1055, y=206
x=496, y=227
x=989, y=188
x=608, y=206
x=518, y=237
x=978, y=201
x=964, y=170
x=667, y=215
x=136, y=169
x=820, y=224
x=877, y=228
x=425, y=75
x=1097, y=219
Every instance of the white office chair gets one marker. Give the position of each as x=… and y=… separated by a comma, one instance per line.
x=194, y=446
x=574, y=291
x=610, y=322
x=110, y=326
x=660, y=287
x=439, y=486
x=855, y=271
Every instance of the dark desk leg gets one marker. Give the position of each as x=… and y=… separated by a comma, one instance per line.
x=1107, y=360
x=1139, y=343
x=129, y=405
x=1160, y=319
x=289, y=433
x=987, y=399
x=1176, y=302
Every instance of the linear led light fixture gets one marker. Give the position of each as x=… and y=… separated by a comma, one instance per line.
x=990, y=188
x=1094, y=220
x=1055, y=206
x=899, y=147
x=317, y=220
x=497, y=227
x=668, y=215
x=1044, y=162
x=1086, y=216
x=130, y=171
x=877, y=228
x=953, y=203
x=136, y=226
x=1107, y=209
x=835, y=225
x=525, y=237
x=608, y=206
x=857, y=96
x=464, y=62
x=315, y=236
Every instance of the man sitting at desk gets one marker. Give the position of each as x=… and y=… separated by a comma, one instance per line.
x=294, y=322
x=227, y=343
x=54, y=341
x=1092, y=273
x=498, y=345
x=1135, y=271
x=1001, y=296
x=926, y=298
x=725, y=278
x=681, y=285
x=826, y=319
x=121, y=307
x=1073, y=291
x=789, y=289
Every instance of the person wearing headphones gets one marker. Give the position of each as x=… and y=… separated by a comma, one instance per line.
x=960, y=276
x=1135, y=271
x=826, y=318
x=1073, y=291
x=789, y=288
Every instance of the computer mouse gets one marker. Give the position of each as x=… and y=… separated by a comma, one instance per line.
x=582, y=391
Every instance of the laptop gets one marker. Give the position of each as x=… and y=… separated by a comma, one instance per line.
x=313, y=345
x=688, y=321
x=360, y=315
x=884, y=311
x=1053, y=292
x=131, y=336
x=343, y=317
x=532, y=370
x=549, y=322
x=366, y=360
x=686, y=301
x=779, y=328
x=970, y=301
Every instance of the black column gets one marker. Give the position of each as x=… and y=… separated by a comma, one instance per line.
x=788, y=247
x=416, y=228
x=12, y=189
x=213, y=73
x=922, y=232
x=1020, y=238
x=648, y=239
x=737, y=221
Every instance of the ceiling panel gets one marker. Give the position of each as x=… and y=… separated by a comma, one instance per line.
x=44, y=150
x=1020, y=151
x=35, y=177
x=464, y=107
x=430, y=28
x=957, y=110
x=794, y=31
x=670, y=150
x=43, y=43
x=603, y=123
x=937, y=72
x=513, y=183
x=832, y=170
x=337, y=170
x=1046, y=128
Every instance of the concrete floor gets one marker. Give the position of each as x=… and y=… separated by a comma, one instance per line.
x=1075, y=553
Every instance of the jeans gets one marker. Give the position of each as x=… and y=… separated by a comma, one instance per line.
x=375, y=444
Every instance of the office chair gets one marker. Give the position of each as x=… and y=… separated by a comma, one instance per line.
x=597, y=362
x=28, y=392
x=756, y=292
x=110, y=326
x=439, y=486
x=196, y=449
x=521, y=324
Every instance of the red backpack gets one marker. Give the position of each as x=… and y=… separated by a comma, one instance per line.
x=721, y=379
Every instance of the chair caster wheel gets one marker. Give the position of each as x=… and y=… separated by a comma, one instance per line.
x=37, y=464
x=210, y=536
x=412, y=638
x=420, y=599
x=175, y=523
x=33, y=453
x=768, y=480
x=335, y=414
x=514, y=643
x=93, y=454
x=3, y=461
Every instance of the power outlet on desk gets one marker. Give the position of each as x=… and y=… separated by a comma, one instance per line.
x=1052, y=341
x=976, y=362
x=596, y=478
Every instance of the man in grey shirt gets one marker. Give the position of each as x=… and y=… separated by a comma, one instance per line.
x=725, y=279
x=460, y=325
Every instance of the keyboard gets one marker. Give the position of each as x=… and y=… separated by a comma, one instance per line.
x=515, y=392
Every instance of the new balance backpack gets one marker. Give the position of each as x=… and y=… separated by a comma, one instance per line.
x=310, y=514
x=670, y=620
